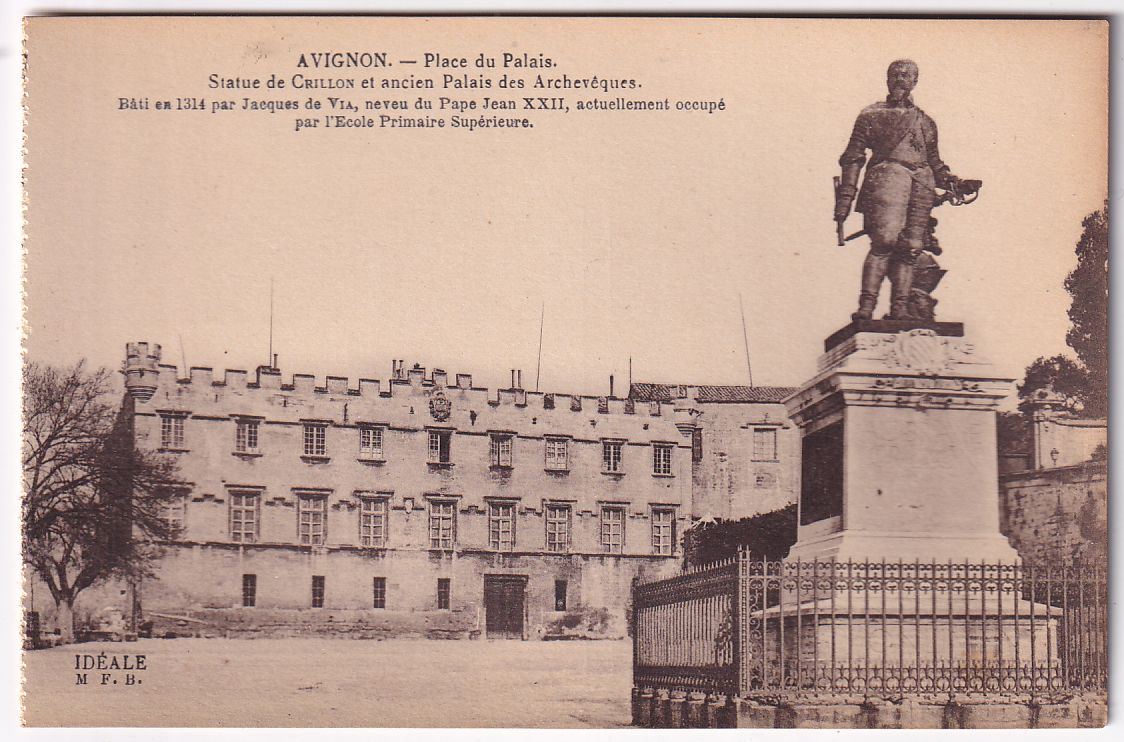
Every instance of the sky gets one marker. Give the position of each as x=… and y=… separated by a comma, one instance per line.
x=632, y=235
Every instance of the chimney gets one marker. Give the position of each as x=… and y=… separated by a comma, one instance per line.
x=610, y=385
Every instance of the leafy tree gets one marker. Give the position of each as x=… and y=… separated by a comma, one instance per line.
x=1088, y=285
x=92, y=503
x=1065, y=376
x=1083, y=383
x=1014, y=433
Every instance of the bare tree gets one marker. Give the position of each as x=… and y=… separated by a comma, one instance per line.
x=93, y=504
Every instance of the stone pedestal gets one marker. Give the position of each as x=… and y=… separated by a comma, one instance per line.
x=899, y=447
x=889, y=644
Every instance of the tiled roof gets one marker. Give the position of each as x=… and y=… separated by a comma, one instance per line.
x=645, y=392
x=744, y=393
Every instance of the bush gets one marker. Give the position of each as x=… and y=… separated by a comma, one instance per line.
x=585, y=622
x=767, y=536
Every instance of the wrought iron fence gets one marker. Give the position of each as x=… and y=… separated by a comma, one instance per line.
x=755, y=627
x=684, y=635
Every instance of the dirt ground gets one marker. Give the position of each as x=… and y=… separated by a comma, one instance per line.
x=336, y=683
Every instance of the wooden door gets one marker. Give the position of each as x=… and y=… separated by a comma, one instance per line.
x=503, y=606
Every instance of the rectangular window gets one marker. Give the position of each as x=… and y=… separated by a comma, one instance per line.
x=372, y=522
x=317, y=591
x=249, y=591
x=663, y=531
x=442, y=525
x=312, y=511
x=172, y=511
x=378, y=592
x=439, y=441
x=661, y=459
x=560, y=595
x=171, y=431
x=501, y=526
x=764, y=444
x=500, y=450
x=696, y=446
x=314, y=439
x=557, y=454
x=612, y=529
x=370, y=443
x=611, y=455
x=558, y=528
x=244, y=517
x=246, y=436
x=443, y=585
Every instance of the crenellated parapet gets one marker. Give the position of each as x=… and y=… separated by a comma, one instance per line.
x=141, y=369
x=412, y=397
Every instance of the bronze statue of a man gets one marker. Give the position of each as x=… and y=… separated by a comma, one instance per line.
x=898, y=192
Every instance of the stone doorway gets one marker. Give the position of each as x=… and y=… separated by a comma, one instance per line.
x=504, y=602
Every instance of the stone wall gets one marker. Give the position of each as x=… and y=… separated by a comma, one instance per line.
x=1058, y=515
x=197, y=591
x=1062, y=439
x=662, y=708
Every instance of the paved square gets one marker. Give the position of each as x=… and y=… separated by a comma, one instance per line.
x=337, y=683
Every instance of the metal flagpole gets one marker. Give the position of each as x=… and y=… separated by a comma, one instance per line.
x=745, y=339
x=538, y=363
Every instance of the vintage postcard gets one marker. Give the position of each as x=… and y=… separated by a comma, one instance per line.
x=565, y=372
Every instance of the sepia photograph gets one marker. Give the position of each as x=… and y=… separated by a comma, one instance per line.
x=562, y=372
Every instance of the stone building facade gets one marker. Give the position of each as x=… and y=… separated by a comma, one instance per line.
x=746, y=452
x=421, y=506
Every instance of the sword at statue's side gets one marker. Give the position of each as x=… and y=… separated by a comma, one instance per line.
x=840, y=239
x=836, y=182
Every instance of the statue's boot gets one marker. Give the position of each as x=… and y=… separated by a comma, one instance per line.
x=910, y=244
x=901, y=287
x=874, y=271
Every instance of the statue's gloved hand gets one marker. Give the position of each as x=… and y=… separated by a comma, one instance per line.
x=843, y=206
x=968, y=187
